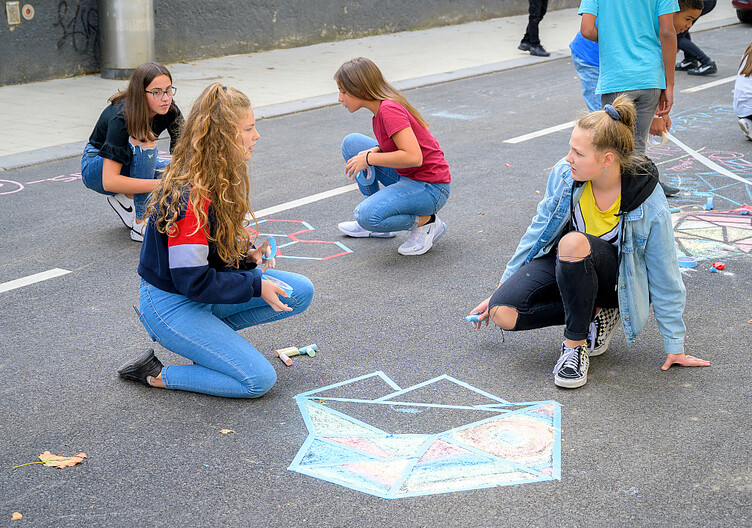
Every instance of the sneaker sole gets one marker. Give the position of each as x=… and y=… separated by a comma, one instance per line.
x=118, y=209
x=569, y=383
x=428, y=246
x=371, y=234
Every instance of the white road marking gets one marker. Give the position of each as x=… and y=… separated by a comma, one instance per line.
x=708, y=85
x=539, y=133
x=305, y=201
x=705, y=161
x=31, y=279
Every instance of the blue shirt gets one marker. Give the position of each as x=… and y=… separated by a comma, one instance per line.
x=629, y=43
x=585, y=49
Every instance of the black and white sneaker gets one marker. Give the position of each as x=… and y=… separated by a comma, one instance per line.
x=571, y=369
x=686, y=65
x=123, y=206
x=704, y=69
x=602, y=329
x=746, y=126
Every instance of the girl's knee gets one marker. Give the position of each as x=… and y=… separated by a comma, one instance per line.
x=366, y=217
x=350, y=145
x=303, y=292
x=573, y=246
x=505, y=317
x=261, y=382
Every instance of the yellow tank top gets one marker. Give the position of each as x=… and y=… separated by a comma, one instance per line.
x=591, y=220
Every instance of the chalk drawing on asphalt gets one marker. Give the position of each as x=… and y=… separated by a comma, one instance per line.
x=486, y=441
x=709, y=236
x=293, y=230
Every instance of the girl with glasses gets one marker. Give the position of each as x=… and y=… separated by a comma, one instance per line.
x=120, y=160
x=199, y=278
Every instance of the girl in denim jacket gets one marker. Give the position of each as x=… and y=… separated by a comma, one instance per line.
x=598, y=252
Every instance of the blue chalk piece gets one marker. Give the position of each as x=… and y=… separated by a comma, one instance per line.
x=272, y=247
x=708, y=204
x=310, y=350
x=744, y=212
x=675, y=210
x=474, y=318
x=714, y=270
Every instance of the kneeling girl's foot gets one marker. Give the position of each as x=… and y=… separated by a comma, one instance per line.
x=421, y=238
x=353, y=229
x=572, y=368
x=146, y=366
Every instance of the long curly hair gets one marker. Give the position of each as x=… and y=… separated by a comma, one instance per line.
x=136, y=109
x=360, y=77
x=209, y=164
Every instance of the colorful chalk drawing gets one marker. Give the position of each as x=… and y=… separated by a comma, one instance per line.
x=492, y=442
x=711, y=235
x=281, y=230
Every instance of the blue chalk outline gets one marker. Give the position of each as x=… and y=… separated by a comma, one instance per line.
x=501, y=409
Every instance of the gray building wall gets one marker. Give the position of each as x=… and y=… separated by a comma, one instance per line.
x=62, y=39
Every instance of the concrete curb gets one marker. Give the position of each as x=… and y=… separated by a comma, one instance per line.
x=48, y=154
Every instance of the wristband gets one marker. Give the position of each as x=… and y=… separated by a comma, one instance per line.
x=367, y=163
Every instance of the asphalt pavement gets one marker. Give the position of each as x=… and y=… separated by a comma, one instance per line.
x=639, y=446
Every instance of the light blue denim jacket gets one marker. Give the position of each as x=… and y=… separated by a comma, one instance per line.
x=648, y=267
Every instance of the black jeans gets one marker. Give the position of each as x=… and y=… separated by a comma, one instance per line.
x=548, y=291
x=684, y=41
x=536, y=12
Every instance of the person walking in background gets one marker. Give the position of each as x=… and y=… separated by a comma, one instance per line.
x=743, y=93
x=531, y=40
x=695, y=62
x=587, y=65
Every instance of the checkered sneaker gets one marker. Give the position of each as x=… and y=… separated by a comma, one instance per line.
x=602, y=329
x=571, y=369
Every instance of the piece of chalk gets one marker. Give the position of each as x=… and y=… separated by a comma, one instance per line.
x=713, y=270
x=474, y=318
x=675, y=210
x=708, y=204
x=286, y=360
x=687, y=262
x=719, y=265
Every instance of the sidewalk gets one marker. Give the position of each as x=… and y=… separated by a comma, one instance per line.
x=53, y=119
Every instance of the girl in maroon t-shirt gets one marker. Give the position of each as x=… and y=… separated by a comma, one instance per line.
x=404, y=158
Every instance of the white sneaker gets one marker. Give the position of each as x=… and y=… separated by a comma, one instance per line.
x=137, y=230
x=746, y=126
x=421, y=239
x=123, y=206
x=353, y=229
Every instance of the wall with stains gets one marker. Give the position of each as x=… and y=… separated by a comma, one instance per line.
x=62, y=37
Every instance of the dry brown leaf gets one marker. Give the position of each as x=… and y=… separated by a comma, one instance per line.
x=61, y=461
x=226, y=431
x=16, y=516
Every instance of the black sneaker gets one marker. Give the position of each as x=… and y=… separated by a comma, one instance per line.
x=704, y=69
x=686, y=65
x=602, y=329
x=147, y=365
x=524, y=46
x=539, y=51
x=571, y=369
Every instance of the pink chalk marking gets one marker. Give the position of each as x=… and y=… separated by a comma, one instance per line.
x=385, y=473
x=361, y=444
x=3, y=182
x=441, y=450
x=337, y=255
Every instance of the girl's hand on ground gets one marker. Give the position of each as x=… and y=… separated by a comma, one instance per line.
x=270, y=293
x=482, y=311
x=356, y=164
x=684, y=360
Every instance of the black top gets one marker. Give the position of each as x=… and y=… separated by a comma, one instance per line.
x=110, y=135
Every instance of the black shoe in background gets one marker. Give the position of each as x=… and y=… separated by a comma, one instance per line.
x=539, y=51
x=704, y=69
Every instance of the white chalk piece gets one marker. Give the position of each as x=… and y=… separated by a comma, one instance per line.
x=687, y=262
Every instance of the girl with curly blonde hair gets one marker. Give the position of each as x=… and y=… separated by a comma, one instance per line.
x=199, y=280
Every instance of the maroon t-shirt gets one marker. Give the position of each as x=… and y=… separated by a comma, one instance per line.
x=393, y=117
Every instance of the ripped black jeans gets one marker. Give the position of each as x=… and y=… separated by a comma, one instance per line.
x=548, y=291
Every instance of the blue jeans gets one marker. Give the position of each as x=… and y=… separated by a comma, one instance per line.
x=144, y=164
x=225, y=363
x=397, y=205
x=588, y=75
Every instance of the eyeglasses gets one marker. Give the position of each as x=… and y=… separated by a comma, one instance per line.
x=159, y=94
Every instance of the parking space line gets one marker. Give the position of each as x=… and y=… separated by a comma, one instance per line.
x=539, y=133
x=305, y=201
x=708, y=85
x=31, y=279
